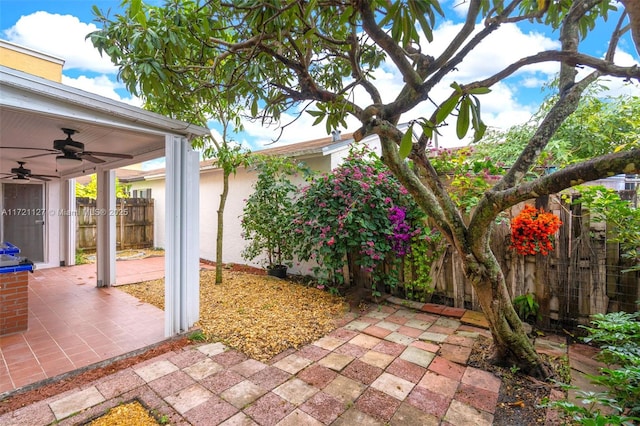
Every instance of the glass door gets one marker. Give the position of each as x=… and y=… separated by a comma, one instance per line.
x=23, y=218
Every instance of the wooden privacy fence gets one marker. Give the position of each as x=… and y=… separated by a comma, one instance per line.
x=581, y=277
x=134, y=223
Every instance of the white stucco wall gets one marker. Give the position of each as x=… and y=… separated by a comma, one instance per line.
x=210, y=190
x=240, y=187
x=158, y=194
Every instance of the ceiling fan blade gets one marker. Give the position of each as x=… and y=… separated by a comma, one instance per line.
x=107, y=154
x=43, y=176
x=88, y=156
x=40, y=177
x=42, y=155
x=28, y=147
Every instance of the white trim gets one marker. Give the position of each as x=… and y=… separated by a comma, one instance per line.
x=31, y=52
x=182, y=283
x=191, y=189
x=67, y=216
x=106, y=229
x=19, y=87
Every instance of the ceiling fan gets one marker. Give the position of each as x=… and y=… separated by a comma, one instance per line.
x=23, y=174
x=70, y=152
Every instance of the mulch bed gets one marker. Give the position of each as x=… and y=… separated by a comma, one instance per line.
x=520, y=395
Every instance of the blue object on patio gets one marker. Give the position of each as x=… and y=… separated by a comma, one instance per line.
x=10, y=261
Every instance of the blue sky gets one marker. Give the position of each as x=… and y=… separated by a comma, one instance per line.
x=59, y=27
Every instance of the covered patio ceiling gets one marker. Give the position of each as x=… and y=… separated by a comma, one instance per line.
x=33, y=112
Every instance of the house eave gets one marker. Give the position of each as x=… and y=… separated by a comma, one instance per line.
x=26, y=84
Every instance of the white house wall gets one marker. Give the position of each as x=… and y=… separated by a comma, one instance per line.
x=240, y=188
x=158, y=194
x=210, y=190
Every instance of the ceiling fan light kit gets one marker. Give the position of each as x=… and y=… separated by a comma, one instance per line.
x=20, y=179
x=64, y=161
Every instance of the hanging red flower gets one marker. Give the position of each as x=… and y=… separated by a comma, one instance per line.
x=532, y=231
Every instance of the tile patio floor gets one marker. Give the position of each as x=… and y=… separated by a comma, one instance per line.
x=391, y=365
x=72, y=323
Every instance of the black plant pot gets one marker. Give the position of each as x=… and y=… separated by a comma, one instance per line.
x=279, y=271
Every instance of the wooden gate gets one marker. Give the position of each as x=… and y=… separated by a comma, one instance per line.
x=134, y=223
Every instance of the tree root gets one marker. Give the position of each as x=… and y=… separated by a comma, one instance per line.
x=541, y=370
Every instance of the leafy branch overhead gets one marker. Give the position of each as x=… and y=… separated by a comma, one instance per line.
x=268, y=58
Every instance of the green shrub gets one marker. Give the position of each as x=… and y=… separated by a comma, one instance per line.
x=618, y=335
x=266, y=217
x=80, y=259
x=527, y=307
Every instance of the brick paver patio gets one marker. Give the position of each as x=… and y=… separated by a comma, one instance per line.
x=390, y=365
x=400, y=363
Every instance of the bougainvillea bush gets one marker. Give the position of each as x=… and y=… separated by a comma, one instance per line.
x=360, y=213
x=533, y=230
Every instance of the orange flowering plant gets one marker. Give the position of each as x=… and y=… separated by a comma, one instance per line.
x=532, y=231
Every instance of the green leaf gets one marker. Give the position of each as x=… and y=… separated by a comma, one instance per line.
x=437, y=7
x=455, y=86
x=479, y=91
x=476, y=120
x=309, y=8
x=254, y=107
x=407, y=143
x=462, y=127
x=427, y=129
x=479, y=132
x=134, y=8
x=416, y=9
x=446, y=108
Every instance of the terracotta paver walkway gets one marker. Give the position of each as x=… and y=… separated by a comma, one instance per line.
x=391, y=365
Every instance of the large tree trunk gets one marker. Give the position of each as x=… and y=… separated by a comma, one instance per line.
x=632, y=8
x=511, y=344
x=219, y=234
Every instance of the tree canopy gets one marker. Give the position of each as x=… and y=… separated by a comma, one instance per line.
x=321, y=56
x=600, y=125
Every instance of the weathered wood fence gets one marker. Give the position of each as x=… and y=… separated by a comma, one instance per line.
x=134, y=223
x=581, y=277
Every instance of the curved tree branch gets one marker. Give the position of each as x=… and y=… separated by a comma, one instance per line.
x=357, y=74
x=465, y=31
x=627, y=162
x=632, y=8
x=395, y=52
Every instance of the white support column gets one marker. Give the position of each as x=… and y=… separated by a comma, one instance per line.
x=182, y=258
x=67, y=216
x=106, y=230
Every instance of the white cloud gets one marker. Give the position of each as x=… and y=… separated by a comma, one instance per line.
x=459, y=7
x=533, y=82
x=62, y=36
x=101, y=85
x=617, y=86
x=300, y=130
x=498, y=50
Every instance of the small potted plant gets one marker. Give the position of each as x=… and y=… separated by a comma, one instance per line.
x=266, y=216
